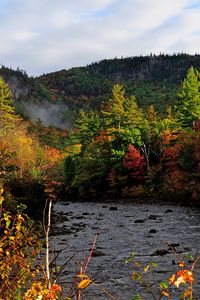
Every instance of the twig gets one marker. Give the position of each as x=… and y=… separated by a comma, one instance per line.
x=44, y=216
x=192, y=269
x=62, y=268
x=47, y=243
x=90, y=254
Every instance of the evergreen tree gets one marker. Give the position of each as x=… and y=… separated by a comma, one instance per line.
x=115, y=109
x=7, y=115
x=88, y=125
x=188, y=110
x=133, y=114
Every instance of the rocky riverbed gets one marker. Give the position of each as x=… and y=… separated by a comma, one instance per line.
x=156, y=233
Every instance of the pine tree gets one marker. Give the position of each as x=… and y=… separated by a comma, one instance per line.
x=188, y=110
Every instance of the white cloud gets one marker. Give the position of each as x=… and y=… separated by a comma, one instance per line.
x=46, y=35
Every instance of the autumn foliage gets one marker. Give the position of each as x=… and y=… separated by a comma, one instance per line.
x=134, y=162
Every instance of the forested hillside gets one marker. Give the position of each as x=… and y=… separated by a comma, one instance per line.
x=152, y=79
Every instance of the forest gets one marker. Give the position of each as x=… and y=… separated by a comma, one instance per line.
x=122, y=151
x=127, y=151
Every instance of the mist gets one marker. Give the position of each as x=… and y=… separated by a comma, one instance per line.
x=50, y=114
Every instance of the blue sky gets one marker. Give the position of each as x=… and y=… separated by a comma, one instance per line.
x=40, y=36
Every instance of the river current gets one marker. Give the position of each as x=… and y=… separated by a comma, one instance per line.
x=163, y=234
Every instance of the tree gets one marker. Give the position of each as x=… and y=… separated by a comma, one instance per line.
x=133, y=114
x=115, y=108
x=134, y=162
x=169, y=122
x=188, y=110
x=7, y=115
x=88, y=125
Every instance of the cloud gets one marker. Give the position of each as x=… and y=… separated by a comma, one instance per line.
x=46, y=35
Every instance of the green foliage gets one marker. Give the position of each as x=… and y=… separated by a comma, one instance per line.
x=188, y=110
x=69, y=169
x=88, y=125
x=115, y=108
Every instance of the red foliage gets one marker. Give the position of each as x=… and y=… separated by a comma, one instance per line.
x=134, y=162
x=170, y=157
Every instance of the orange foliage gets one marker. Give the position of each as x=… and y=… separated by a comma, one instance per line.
x=53, y=292
x=103, y=137
x=168, y=136
x=181, y=277
x=52, y=157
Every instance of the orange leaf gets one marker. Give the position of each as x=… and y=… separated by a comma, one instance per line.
x=172, y=279
x=181, y=264
x=165, y=293
x=84, y=283
x=56, y=288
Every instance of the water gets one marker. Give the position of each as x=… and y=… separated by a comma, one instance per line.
x=147, y=230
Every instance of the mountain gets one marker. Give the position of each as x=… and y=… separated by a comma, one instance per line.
x=152, y=79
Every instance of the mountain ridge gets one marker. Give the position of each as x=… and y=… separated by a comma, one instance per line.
x=152, y=79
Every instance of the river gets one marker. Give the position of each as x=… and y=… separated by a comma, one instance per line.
x=163, y=234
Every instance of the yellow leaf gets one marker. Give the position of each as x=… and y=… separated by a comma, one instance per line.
x=84, y=283
x=138, y=264
x=146, y=268
x=1, y=199
x=18, y=227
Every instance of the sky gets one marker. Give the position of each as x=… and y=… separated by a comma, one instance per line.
x=42, y=36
